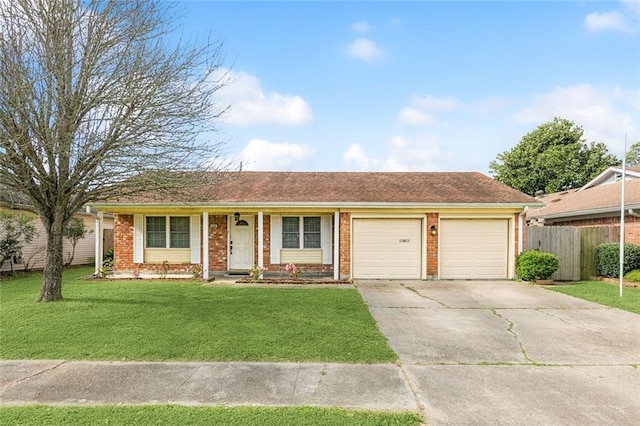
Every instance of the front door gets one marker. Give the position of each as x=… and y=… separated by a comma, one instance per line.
x=241, y=243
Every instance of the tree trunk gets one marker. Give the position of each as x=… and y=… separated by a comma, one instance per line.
x=52, y=279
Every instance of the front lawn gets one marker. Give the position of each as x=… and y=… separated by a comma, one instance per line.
x=175, y=415
x=603, y=293
x=180, y=321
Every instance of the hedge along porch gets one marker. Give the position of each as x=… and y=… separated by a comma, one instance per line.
x=345, y=225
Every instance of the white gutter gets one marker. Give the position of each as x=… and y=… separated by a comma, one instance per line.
x=396, y=205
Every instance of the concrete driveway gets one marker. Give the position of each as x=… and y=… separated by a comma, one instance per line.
x=480, y=352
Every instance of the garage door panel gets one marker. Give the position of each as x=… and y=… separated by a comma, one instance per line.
x=474, y=249
x=387, y=248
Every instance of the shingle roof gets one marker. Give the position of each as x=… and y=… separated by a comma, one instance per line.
x=360, y=187
x=595, y=200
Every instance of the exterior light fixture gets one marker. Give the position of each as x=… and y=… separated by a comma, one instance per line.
x=433, y=230
x=236, y=217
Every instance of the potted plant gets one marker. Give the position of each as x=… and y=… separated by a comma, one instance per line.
x=536, y=266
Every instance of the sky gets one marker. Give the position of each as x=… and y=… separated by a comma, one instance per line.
x=417, y=85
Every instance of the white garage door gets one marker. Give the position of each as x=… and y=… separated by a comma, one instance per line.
x=387, y=248
x=474, y=249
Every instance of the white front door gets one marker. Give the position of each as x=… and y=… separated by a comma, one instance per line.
x=241, y=243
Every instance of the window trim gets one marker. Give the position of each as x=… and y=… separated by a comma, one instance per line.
x=301, y=233
x=167, y=230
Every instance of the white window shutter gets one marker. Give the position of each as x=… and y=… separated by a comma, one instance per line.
x=276, y=238
x=325, y=239
x=138, y=238
x=194, y=240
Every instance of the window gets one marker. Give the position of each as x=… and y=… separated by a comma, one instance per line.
x=156, y=231
x=310, y=231
x=171, y=229
x=179, y=227
x=291, y=232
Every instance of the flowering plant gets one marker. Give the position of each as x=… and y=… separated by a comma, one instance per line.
x=256, y=272
x=136, y=274
x=196, y=270
x=293, y=270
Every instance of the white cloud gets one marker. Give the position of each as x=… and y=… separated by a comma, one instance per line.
x=365, y=49
x=356, y=156
x=420, y=110
x=260, y=154
x=416, y=117
x=360, y=27
x=625, y=20
x=250, y=105
x=403, y=154
x=606, y=21
x=605, y=114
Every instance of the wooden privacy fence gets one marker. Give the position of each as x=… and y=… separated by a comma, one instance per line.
x=574, y=246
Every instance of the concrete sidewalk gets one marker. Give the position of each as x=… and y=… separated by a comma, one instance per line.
x=357, y=386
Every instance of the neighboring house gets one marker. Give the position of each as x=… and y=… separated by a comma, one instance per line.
x=33, y=254
x=345, y=225
x=598, y=203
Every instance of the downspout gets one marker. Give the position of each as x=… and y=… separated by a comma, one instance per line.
x=521, y=229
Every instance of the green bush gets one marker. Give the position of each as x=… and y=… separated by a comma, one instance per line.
x=608, y=259
x=633, y=276
x=535, y=265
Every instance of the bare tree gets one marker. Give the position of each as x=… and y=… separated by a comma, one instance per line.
x=98, y=102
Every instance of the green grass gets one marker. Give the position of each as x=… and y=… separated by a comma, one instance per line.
x=179, y=321
x=155, y=415
x=603, y=293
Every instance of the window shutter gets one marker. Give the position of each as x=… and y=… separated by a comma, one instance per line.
x=138, y=238
x=276, y=239
x=194, y=240
x=325, y=239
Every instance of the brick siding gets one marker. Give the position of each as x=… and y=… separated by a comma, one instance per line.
x=345, y=245
x=432, y=246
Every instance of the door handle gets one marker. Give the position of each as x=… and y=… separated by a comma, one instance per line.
x=230, y=247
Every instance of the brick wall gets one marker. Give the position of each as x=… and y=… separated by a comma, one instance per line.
x=345, y=245
x=516, y=237
x=123, y=242
x=432, y=246
x=218, y=243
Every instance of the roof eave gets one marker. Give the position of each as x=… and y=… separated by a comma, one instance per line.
x=345, y=204
x=588, y=212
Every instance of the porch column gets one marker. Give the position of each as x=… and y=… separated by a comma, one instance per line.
x=336, y=245
x=260, y=240
x=205, y=245
x=99, y=246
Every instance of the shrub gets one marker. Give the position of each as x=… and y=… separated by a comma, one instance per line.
x=633, y=276
x=608, y=259
x=535, y=265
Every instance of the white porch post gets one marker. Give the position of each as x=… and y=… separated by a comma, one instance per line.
x=205, y=245
x=99, y=247
x=260, y=240
x=336, y=246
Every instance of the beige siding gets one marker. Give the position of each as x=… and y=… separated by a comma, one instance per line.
x=300, y=256
x=474, y=249
x=387, y=248
x=33, y=254
x=159, y=255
